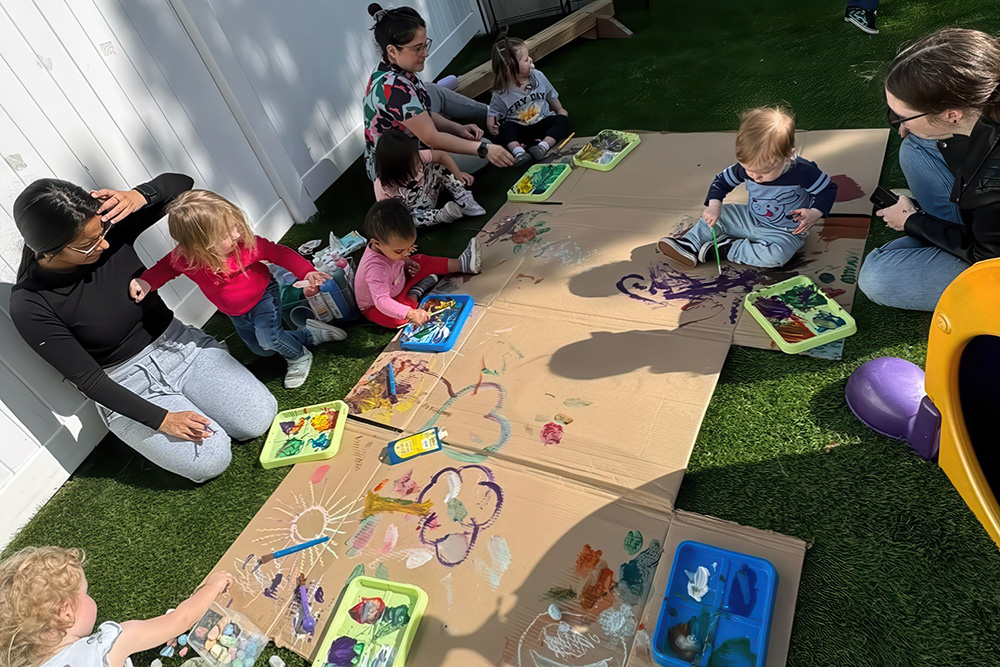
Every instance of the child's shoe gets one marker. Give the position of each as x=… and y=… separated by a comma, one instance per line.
x=707, y=251
x=862, y=18
x=472, y=208
x=450, y=212
x=522, y=158
x=539, y=150
x=298, y=370
x=322, y=332
x=471, y=260
x=679, y=249
x=423, y=286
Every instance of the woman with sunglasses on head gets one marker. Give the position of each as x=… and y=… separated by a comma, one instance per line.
x=943, y=93
x=168, y=390
x=395, y=97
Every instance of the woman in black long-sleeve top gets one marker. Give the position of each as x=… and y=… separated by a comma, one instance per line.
x=166, y=389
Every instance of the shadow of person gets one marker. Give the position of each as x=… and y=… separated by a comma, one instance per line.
x=607, y=354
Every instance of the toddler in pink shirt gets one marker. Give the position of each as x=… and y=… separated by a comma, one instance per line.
x=391, y=280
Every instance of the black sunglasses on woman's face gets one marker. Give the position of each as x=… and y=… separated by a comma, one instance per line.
x=896, y=120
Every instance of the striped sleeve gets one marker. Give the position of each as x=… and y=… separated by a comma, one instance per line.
x=726, y=181
x=820, y=187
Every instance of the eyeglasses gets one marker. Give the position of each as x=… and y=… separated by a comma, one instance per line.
x=105, y=228
x=896, y=120
x=418, y=48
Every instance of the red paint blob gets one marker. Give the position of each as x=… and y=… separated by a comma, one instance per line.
x=320, y=474
x=552, y=433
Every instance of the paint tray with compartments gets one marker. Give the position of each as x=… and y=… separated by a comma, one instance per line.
x=441, y=332
x=798, y=316
x=226, y=638
x=539, y=182
x=373, y=626
x=301, y=435
x=606, y=150
x=717, y=609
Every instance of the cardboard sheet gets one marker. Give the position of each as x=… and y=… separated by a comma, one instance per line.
x=784, y=552
x=493, y=544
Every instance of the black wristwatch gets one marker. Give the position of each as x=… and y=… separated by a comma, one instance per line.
x=147, y=191
x=483, y=149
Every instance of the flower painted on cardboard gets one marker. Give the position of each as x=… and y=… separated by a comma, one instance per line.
x=454, y=536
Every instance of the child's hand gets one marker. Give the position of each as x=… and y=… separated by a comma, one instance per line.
x=412, y=266
x=138, y=289
x=493, y=125
x=472, y=131
x=465, y=179
x=806, y=217
x=712, y=212
x=219, y=581
x=317, y=278
x=418, y=316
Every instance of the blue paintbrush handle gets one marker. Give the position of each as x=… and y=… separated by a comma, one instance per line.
x=300, y=547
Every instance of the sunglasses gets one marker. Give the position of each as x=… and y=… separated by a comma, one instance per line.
x=425, y=47
x=105, y=228
x=896, y=120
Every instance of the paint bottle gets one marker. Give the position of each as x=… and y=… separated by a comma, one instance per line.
x=415, y=445
x=336, y=302
x=318, y=303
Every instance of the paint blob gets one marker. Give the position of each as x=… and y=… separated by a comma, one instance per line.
x=368, y=611
x=637, y=574
x=633, y=542
x=734, y=652
x=376, y=504
x=551, y=434
x=320, y=473
x=697, y=586
x=743, y=591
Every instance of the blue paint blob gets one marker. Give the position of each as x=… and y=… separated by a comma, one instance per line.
x=743, y=592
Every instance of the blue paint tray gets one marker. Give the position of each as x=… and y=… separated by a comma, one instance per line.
x=441, y=332
x=726, y=614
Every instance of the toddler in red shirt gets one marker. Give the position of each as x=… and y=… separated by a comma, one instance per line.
x=218, y=251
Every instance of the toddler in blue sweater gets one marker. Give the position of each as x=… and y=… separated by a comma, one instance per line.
x=786, y=194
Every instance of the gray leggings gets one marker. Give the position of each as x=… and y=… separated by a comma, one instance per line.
x=186, y=369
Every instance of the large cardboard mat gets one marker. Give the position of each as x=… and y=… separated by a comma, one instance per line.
x=572, y=404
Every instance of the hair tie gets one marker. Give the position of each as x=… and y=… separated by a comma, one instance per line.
x=380, y=14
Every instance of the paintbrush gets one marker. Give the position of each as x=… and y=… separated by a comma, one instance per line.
x=716, y=243
x=566, y=140
x=390, y=382
x=290, y=550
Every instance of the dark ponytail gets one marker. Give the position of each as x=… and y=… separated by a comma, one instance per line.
x=953, y=68
x=395, y=27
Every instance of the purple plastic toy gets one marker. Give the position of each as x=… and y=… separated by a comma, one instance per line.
x=887, y=394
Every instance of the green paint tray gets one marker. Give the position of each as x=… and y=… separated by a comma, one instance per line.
x=798, y=316
x=301, y=435
x=539, y=182
x=606, y=150
x=385, y=631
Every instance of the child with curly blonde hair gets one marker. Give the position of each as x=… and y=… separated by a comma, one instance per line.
x=47, y=618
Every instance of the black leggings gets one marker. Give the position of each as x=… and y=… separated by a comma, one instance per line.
x=555, y=126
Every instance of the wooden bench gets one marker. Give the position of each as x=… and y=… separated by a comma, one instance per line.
x=596, y=20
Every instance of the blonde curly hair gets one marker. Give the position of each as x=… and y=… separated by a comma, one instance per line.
x=199, y=220
x=34, y=585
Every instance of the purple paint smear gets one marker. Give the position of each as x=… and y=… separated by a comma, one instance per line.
x=473, y=524
x=773, y=309
x=272, y=590
x=665, y=284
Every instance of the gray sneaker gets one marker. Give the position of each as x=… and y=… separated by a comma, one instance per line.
x=537, y=152
x=298, y=370
x=422, y=287
x=450, y=212
x=471, y=261
x=522, y=159
x=322, y=332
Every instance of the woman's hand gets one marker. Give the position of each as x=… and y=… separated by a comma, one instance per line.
x=712, y=212
x=895, y=216
x=806, y=217
x=418, y=316
x=499, y=155
x=186, y=425
x=471, y=131
x=493, y=125
x=138, y=289
x=317, y=278
x=117, y=204
x=465, y=178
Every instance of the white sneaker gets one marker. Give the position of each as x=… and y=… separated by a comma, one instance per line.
x=298, y=370
x=472, y=208
x=322, y=332
x=471, y=260
x=450, y=212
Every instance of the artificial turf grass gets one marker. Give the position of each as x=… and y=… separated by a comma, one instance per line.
x=899, y=572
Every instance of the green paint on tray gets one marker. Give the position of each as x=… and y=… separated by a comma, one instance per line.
x=734, y=652
x=456, y=510
x=633, y=542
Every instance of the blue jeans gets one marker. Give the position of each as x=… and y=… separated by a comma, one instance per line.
x=870, y=5
x=928, y=177
x=756, y=244
x=260, y=328
x=908, y=274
